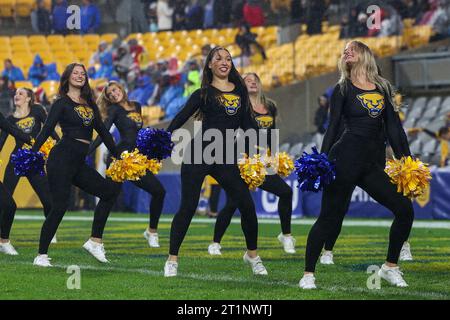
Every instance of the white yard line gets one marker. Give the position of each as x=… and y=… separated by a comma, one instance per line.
x=349, y=223
x=260, y=281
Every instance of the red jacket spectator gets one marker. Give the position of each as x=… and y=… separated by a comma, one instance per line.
x=253, y=14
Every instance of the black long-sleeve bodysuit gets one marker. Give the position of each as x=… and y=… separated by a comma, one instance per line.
x=356, y=153
x=66, y=163
x=31, y=125
x=129, y=123
x=273, y=183
x=7, y=204
x=221, y=111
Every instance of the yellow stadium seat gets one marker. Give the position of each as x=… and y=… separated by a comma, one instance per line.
x=108, y=37
x=82, y=54
x=24, y=84
x=24, y=7
x=91, y=38
x=50, y=88
x=55, y=38
x=19, y=40
x=37, y=40
x=20, y=48
x=58, y=46
x=7, y=8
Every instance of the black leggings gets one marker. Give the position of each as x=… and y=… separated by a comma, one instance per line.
x=214, y=197
x=149, y=183
x=273, y=184
x=38, y=183
x=192, y=176
x=66, y=167
x=355, y=166
x=7, y=211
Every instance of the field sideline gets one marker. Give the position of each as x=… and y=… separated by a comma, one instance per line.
x=136, y=271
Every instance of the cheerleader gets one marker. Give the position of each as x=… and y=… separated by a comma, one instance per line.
x=29, y=118
x=117, y=109
x=263, y=114
x=365, y=100
x=78, y=115
x=7, y=204
x=221, y=103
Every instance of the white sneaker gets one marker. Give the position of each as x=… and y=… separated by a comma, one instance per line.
x=288, y=243
x=54, y=240
x=214, y=249
x=152, y=238
x=96, y=249
x=405, y=253
x=42, y=260
x=327, y=257
x=170, y=269
x=8, y=249
x=393, y=275
x=308, y=282
x=256, y=264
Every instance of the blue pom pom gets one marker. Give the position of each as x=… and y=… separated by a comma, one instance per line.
x=28, y=163
x=155, y=143
x=314, y=171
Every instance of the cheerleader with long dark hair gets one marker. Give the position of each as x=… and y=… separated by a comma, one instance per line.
x=365, y=101
x=126, y=115
x=222, y=103
x=7, y=204
x=263, y=113
x=77, y=114
x=29, y=118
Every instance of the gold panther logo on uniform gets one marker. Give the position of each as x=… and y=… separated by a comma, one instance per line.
x=136, y=117
x=264, y=121
x=86, y=114
x=230, y=102
x=373, y=102
x=26, y=125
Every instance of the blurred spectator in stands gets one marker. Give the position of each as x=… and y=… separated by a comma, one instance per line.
x=222, y=13
x=143, y=91
x=437, y=18
x=12, y=72
x=152, y=18
x=443, y=136
x=282, y=9
x=52, y=72
x=194, y=16
x=164, y=13
x=123, y=63
x=208, y=17
x=245, y=39
x=407, y=9
x=193, y=79
x=60, y=16
x=179, y=15
x=136, y=50
x=315, y=12
x=391, y=23
x=237, y=12
x=6, y=97
x=90, y=17
x=138, y=18
x=106, y=68
x=360, y=29
x=40, y=18
x=37, y=72
x=95, y=58
x=296, y=11
x=253, y=13
x=322, y=115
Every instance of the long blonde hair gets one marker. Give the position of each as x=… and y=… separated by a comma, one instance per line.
x=104, y=102
x=367, y=66
x=260, y=96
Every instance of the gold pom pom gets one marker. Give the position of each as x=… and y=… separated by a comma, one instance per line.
x=282, y=163
x=253, y=171
x=154, y=166
x=412, y=177
x=47, y=147
x=131, y=166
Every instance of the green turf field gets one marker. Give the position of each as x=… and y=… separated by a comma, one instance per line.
x=136, y=271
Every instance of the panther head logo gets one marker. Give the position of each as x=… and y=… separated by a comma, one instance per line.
x=231, y=103
x=373, y=102
x=86, y=114
x=136, y=117
x=26, y=125
x=264, y=122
